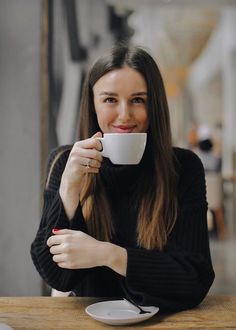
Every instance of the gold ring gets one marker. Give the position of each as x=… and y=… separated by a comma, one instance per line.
x=88, y=163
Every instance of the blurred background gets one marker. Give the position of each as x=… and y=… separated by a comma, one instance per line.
x=46, y=47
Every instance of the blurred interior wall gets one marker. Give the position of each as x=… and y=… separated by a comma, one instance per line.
x=19, y=144
x=94, y=37
x=212, y=82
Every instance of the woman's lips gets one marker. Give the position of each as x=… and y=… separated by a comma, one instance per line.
x=124, y=128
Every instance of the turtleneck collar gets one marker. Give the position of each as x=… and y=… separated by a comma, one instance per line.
x=116, y=177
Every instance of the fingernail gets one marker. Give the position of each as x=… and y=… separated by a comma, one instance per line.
x=55, y=229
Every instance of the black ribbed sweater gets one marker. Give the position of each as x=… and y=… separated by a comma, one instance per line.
x=174, y=279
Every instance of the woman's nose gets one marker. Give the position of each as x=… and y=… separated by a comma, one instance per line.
x=124, y=112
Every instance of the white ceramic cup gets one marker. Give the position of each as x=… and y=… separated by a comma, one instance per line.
x=124, y=148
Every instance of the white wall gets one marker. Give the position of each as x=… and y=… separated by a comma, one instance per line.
x=19, y=144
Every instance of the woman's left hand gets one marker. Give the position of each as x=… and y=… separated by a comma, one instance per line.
x=74, y=249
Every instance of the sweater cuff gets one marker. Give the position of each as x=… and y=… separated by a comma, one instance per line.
x=134, y=279
x=145, y=262
x=57, y=217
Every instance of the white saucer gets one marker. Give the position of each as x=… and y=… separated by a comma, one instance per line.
x=4, y=326
x=119, y=312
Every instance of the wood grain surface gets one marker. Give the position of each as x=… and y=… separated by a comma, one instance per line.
x=216, y=312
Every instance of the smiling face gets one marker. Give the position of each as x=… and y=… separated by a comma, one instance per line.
x=120, y=101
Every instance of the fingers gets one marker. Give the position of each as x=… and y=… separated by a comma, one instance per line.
x=57, y=231
x=57, y=237
x=56, y=249
x=91, y=143
x=90, y=162
x=54, y=240
x=86, y=166
x=73, y=249
x=61, y=261
x=59, y=247
x=86, y=155
x=98, y=134
x=58, y=258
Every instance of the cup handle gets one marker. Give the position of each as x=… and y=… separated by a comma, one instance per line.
x=103, y=150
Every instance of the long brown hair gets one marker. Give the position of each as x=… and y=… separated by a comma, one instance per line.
x=158, y=207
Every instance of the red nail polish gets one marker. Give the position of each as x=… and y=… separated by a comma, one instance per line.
x=55, y=229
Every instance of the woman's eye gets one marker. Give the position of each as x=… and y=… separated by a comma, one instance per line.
x=138, y=100
x=110, y=100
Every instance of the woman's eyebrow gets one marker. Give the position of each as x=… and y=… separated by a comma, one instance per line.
x=108, y=93
x=139, y=94
x=115, y=94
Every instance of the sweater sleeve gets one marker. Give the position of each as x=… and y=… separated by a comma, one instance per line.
x=180, y=276
x=54, y=216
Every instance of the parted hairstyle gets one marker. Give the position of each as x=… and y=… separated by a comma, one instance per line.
x=157, y=210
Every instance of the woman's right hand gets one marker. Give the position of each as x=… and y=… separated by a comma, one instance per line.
x=85, y=157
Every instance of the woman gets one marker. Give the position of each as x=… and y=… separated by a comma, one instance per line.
x=139, y=230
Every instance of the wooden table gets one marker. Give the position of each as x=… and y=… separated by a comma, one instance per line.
x=216, y=312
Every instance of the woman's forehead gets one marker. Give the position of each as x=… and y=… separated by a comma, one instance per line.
x=121, y=79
